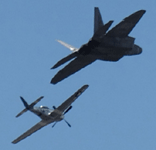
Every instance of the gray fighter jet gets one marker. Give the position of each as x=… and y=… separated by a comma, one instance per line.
x=104, y=45
x=48, y=115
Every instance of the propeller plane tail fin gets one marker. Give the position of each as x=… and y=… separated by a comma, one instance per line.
x=27, y=106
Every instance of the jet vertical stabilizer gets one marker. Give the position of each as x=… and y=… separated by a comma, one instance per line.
x=97, y=19
x=100, y=33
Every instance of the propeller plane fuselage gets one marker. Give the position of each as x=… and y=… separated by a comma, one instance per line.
x=46, y=114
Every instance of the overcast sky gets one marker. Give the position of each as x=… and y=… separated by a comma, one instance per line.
x=116, y=112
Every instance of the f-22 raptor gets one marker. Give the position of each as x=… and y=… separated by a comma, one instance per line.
x=104, y=45
x=48, y=115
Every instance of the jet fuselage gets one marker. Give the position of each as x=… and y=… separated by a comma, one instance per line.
x=110, y=48
x=106, y=45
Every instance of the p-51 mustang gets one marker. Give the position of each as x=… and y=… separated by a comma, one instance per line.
x=107, y=46
x=48, y=115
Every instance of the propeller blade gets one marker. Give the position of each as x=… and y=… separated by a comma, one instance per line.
x=67, y=123
x=67, y=110
x=54, y=124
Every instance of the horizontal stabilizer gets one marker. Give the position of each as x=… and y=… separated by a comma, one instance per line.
x=28, y=106
x=65, y=59
x=36, y=101
x=72, y=48
x=23, y=111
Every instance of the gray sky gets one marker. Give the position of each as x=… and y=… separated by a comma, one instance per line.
x=116, y=112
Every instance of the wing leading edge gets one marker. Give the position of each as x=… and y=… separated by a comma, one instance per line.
x=125, y=27
x=36, y=127
x=78, y=63
x=72, y=98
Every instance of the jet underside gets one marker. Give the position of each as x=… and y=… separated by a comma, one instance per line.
x=107, y=45
x=112, y=49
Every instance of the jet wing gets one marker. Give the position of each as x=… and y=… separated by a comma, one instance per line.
x=78, y=63
x=71, y=99
x=126, y=26
x=32, y=130
x=64, y=60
